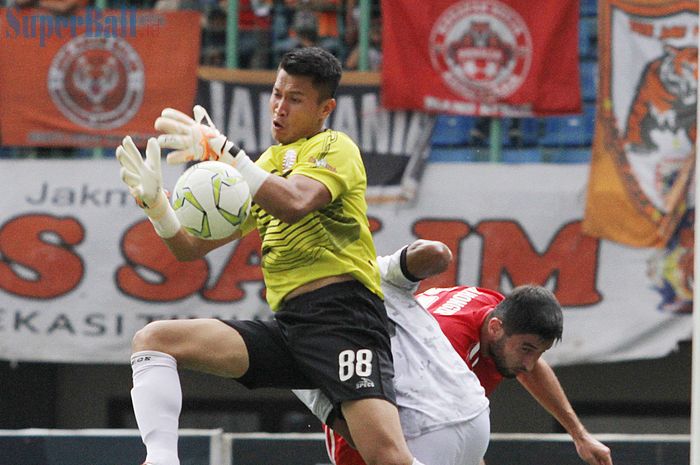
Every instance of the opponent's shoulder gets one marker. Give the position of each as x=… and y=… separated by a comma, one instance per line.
x=461, y=300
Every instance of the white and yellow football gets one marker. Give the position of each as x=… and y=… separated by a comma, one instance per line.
x=211, y=200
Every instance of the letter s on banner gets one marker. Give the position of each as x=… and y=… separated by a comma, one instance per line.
x=56, y=268
x=141, y=246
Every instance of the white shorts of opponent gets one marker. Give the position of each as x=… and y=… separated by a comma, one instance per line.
x=462, y=443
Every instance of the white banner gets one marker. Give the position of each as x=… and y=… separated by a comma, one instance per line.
x=81, y=269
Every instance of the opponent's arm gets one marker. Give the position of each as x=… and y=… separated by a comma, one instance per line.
x=543, y=385
x=286, y=199
x=426, y=258
x=145, y=182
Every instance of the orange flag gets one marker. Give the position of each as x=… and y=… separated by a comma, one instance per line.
x=644, y=145
x=88, y=79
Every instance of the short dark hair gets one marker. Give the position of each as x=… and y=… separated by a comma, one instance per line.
x=531, y=310
x=320, y=65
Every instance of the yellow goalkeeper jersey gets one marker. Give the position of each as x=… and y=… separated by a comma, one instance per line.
x=331, y=241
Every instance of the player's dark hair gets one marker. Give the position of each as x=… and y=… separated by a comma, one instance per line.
x=531, y=310
x=320, y=65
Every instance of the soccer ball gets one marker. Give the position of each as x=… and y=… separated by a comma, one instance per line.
x=211, y=200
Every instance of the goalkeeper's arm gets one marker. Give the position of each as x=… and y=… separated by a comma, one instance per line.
x=186, y=247
x=288, y=199
x=145, y=182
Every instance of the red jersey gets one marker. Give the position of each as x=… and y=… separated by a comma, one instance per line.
x=251, y=20
x=460, y=311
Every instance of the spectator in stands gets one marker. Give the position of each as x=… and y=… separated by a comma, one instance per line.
x=213, y=56
x=352, y=62
x=254, y=31
x=254, y=28
x=214, y=37
x=326, y=13
x=304, y=33
x=213, y=23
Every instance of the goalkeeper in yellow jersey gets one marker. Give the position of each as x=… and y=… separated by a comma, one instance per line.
x=330, y=329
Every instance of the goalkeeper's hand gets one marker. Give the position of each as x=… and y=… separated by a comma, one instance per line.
x=145, y=182
x=144, y=178
x=192, y=140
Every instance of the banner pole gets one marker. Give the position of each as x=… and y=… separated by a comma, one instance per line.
x=98, y=152
x=232, y=35
x=695, y=354
x=363, y=37
x=495, y=139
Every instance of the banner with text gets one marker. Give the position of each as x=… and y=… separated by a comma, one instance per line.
x=88, y=79
x=81, y=268
x=481, y=57
x=394, y=144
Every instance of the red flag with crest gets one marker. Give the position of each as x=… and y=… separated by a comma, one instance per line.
x=481, y=57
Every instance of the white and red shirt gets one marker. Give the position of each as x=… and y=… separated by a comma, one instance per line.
x=460, y=312
x=433, y=386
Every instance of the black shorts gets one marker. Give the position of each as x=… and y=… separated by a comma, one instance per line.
x=335, y=338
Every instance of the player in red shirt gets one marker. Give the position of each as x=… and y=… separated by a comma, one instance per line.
x=497, y=342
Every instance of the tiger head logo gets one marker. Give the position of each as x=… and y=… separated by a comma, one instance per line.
x=97, y=83
x=96, y=77
x=665, y=99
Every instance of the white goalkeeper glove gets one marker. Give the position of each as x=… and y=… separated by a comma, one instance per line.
x=191, y=140
x=145, y=183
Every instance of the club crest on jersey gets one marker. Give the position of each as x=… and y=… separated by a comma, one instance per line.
x=481, y=49
x=97, y=82
x=290, y=157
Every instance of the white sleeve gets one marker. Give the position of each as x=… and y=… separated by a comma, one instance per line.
x=315, y=401
x=393, y=273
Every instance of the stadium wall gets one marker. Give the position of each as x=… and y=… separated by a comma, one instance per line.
x=639, y=397
x=213, y=447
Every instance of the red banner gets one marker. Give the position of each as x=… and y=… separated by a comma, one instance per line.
x=88, y=79
x=481, y=57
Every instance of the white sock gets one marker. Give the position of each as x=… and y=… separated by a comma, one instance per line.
x=416, y=462
x=157, y=400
